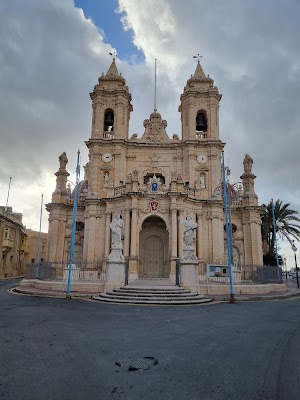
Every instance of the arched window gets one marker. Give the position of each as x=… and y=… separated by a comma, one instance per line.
x=109, y=118
x=79, y=226
x=201, y=121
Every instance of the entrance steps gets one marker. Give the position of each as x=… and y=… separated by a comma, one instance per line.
x=155, y=295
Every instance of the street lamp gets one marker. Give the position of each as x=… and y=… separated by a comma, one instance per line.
x=294, y=248
x=39, y=237
x=284, y=263
x=275, y=241
x=68, y=296
x=228, y=235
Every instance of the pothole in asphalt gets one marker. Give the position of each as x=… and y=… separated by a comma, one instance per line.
x=134, y=364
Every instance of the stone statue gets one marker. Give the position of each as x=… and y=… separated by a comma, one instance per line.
x=188, y=233
x=248, y=162
x=87, y=175
x=116, y=227
x=106, y=177
x=63, y=161
x=202, y=181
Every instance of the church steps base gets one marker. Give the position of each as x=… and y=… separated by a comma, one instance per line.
x=152, y=296
x=152, y=302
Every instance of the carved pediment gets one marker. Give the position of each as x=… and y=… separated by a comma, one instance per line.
x=155, y=129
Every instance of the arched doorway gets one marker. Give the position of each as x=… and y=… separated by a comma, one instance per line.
x=153, y=252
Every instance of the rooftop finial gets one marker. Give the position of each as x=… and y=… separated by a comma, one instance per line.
x=155, y=107
x=198, y=57
x=114, y=55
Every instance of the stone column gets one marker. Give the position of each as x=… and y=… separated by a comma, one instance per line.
x=218, y=240
x=133, y=264
x=127, y=232
x=102, y=222
x=199, y=236
x=180, y=234
x=52, y=238
x=61, y=238
x=174, y=232
x=107, y=234
x=173, y=238
x=133, y=232
x=92, y=237
x=86, y=235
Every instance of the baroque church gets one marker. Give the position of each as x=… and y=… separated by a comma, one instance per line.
x=154, y=182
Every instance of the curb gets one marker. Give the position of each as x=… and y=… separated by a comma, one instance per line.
x=59, y=295
x=62, y=295
x=260, y=298
x=12, y=278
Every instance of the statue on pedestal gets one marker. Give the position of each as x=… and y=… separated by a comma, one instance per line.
x=115, y=275
x=63, y=161
x=116, y=227
x=189, y=261
x=189, y=228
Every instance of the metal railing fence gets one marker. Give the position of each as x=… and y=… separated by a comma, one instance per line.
x=243, y=275
x=58, y=270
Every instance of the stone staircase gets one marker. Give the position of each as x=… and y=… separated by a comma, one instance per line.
x=159, y=295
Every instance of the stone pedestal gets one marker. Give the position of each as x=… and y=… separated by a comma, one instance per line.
x=189, y=265
x=189, y=275
x=115, y=269
x=74, y=273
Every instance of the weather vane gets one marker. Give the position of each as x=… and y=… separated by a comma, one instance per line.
x=198, y=56
x=114, y=55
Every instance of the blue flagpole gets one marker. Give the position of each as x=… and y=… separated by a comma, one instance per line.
x=232, y=300
x=39, y=238
x=73, y=224
x=275, y=240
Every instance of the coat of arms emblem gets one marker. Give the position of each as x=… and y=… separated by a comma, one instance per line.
x=154, y=205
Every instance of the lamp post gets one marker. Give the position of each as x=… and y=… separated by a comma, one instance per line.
x=8, y=194
x=284, y=261
x=228, y=236
x=294, y=248
x=39, y=237
x=73, y=224
x=275, y=241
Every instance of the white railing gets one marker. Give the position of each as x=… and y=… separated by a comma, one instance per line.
x=108, y=135
x=201, y=135
x=236, y=202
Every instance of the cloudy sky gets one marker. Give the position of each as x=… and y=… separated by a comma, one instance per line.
x=53, y=51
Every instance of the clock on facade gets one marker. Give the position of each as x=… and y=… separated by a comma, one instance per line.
x=202, y=159
x=106, y=157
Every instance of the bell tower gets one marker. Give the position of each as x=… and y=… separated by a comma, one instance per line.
x=199, y=108
x=111, y=106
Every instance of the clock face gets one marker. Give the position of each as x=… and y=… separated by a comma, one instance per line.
x=202, y=159
x=106, y=157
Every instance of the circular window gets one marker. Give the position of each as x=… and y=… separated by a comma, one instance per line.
x=233, y=228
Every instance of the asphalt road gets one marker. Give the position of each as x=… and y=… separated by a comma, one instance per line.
x=66, y=349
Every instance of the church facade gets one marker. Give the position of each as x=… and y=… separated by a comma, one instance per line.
x=153, y=183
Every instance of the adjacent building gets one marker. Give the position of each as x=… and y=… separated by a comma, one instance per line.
x=12, y=243
x=32, y=244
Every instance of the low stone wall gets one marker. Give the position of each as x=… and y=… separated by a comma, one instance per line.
x=219, y=289
x=92, y=287
x=98, y=286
